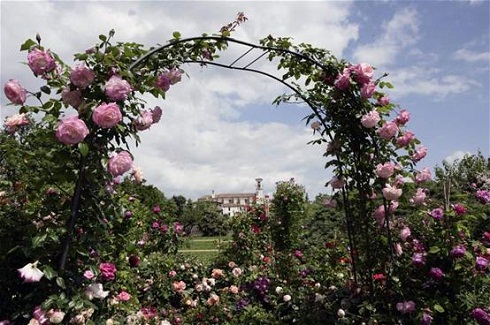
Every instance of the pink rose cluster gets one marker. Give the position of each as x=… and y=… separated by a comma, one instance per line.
x=168, y=78
x=360, y=73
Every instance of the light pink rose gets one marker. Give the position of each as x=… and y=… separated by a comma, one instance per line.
x=392, y=193
x=383, y=101
x=385, y=170
x=123, y=296
x=419, y=197
x=163, y=82
x=404, y=233
x=56, y=316
x=419, y=154
x=343, y=80
x=15, y=92
x=423, y=175
x=72, y=97
x=40, y=62
x=179, y=286
x=117, y=89
x=234, y=289
x=107, y=115
x=172, y=274
x=89, y=275
x=217, y=273
x=405, y=139
x=144, y=121
x=337, y=183
x=81, y=76
x=174, y=75
x=388, y=130
x=403, y=117
x=13, y=122
x=367, y=90
x=156, y=114
x=71, y=130
x=213, y=299
x=370, y=120
x=363, y=72
x=120, y=163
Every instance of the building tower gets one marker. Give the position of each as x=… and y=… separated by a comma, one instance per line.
x=259, y=192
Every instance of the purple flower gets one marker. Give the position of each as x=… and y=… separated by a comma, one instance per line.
x=405, y=307
x=436, y=273
x=483, y=196
x=418, y=259
x=437, y=214
x=481, y=316
x=426, y=318
x=458, y=251
x=481, y=263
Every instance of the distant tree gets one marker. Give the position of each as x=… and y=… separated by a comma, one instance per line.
x=210, y=220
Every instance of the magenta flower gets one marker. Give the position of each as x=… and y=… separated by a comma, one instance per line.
x=71, y=130
x=107, y=271
x=418, y=259
x=123, y=296
x=367, y=90
x=134, y=261
x=459, y=209
x=426, y=318
x=437, y=214
x=40, y=62
x=174, y=75
x=337, y=183
x=15, y=92
x=481, y=263
x=436, y=273
x=458, y=251
x=483, y=196
x=481, y=316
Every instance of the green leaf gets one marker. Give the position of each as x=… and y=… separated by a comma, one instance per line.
x=434, y=250
x=46, y=89
x=176, y=35
x=38, y=240
x=83, y=148
x=49, y=273
x=60, y=282
x=102, y=37
x=439, y=308
x=27, y=45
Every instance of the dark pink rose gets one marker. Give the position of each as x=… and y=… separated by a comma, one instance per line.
x=403, y=117
x=107, y=115
x=367, y=90
x=163, y=82
x=117, y=89
x=343, y=80
x=156, y=114
x=107, y=271
x=363, y=73
x=81, y=76
x=383, y=101
x=71, y=130
x=120, y=163
x=40, y=62
x=72, y=97
x=15, y=92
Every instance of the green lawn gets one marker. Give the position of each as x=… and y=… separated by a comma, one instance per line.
x=204, y=248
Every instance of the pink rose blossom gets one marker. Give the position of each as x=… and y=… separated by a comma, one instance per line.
x=388, y=130
x=423, y=175
x=56, y=316
x=123, y=296
x=405, y=139
x=337, y=183
x=144, y=121
x=15, y=92
x=156, y=114
x=117, y=89
x=30, y=273
x=12, y=123
x=120, y=163
x=392, y=193
x=107, y=271
x=179, y=286
x=172, y=274
x=40, y=62
x=89, y=275
x=236, y=272
x=72, y=97
x=217, y=273
x=213, y=299
x=383, y=101
x=437, y=214
x=419, y=154
x=363, y=72
x=459, y=209
x=71, y=130
x=403, y=117
x=370, y=120
x=419, y=197
x=436, y=273
x=343, y=80
x=81, y=76
x=405, y=307
x=163, y=82
x=405, y=233
x=385, y=170
x=367, y=90
x=174, y=75
x=234, y=289
x=107, y=115
x=398, y=249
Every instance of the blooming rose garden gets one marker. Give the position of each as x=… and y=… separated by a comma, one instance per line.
x=85, y=241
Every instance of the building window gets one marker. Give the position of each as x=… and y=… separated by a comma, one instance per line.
x=246, y=201
x=230, y=201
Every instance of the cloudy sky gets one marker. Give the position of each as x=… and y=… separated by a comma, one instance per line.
x=220, y=131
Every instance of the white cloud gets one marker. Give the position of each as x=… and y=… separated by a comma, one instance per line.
x=471, y=56
x=456, y=156
x=397, y=34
